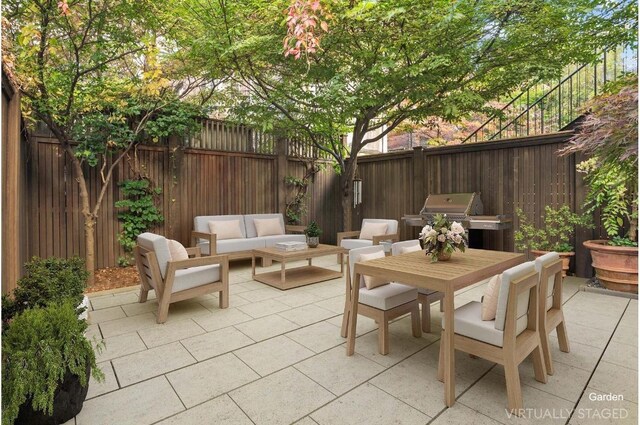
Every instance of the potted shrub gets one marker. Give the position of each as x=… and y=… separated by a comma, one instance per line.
x=46, y=364
x=313, y=233
x=559, y=227
x=609, y=134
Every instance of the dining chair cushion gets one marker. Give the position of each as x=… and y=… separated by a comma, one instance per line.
x=355, y=243
x=508, y=276
x=405, y=247
x=195, y=276
x=268, y=226
x=541, y=261
x=159, y=245
x=369, y=281
x=177, y=250
x=490, y=298
x=388, y=296
x=227, y=229
x=371, y=229
x=354, y=257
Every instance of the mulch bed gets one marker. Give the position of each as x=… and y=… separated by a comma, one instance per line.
x=114, y=277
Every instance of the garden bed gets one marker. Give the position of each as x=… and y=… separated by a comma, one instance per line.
x=114, y=277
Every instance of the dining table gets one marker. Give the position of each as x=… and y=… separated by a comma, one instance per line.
x=463, y=269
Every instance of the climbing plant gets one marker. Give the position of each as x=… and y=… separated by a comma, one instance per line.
x=297, y=207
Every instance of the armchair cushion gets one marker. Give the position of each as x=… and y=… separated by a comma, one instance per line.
x=160, y=246
x=388, y=296
x=355, y=243
x=369, y=230
x=226, y=229
x=369, y=281
x=268, y=227
x=195, y=276
x=177, y=250
x=392, y=225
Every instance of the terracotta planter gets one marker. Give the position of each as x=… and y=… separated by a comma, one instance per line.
x=616, y=266
x=564, y=256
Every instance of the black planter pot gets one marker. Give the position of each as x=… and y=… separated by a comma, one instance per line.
x=67, y=403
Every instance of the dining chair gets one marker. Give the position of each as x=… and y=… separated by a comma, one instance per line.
x=372, y=231
x=383, y=303
x=551, y=316
x=508, y=339
x=425, y=296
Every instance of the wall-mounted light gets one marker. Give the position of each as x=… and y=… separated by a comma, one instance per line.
x=357, y=191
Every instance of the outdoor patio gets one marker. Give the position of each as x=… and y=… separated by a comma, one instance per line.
x=276, y=357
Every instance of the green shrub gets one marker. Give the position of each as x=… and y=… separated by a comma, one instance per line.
x=51, y=280
x=139, y=212
x=313, y=230
x=559, y=226
x=38, y=348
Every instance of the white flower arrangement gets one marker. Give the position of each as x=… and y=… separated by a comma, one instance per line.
x=443, y=237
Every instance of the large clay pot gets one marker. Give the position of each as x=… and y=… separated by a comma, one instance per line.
x=616, y=266
x=564, y=256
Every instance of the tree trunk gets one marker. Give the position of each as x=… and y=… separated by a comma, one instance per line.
x=89, y=246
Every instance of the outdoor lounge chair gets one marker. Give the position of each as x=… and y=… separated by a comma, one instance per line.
x=508, y=339
x=551, y=317
x=364, y=237
x=177, y=280
x=425, y=296
x=382, y=303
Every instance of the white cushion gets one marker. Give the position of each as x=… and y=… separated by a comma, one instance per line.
x=235, y=245
x=355, y=243
x=508, y=276
x=177, y=250
x=369, y=230
x=392, y=225
x=274, y=239
x=354, y=257
x=369, y=281
x=268, y=227
x=195, y=276
x=201, y=223
x=386, y=297
x=160, y=246
x=546, y=259
x=226, y=229
x=404, y=247
x=251, y=227
x=490, y=298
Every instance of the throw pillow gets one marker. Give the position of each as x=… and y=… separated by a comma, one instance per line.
x=369, y=230
x=177, y=250
x=369, y=281
x=226, y=229
x=490, y=298
x=268, y=226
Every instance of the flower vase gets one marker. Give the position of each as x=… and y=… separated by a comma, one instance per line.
x=443, y=256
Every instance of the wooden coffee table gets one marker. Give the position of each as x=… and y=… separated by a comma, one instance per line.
x=297, y=276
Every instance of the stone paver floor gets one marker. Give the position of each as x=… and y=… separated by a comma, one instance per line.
x=276, y=357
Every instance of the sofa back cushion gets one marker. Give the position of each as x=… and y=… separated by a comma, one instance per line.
x=226, y=229
x=251, y=227
x=201, y=223
x=160, y=246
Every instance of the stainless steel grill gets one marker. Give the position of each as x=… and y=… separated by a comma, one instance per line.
x=463, y=207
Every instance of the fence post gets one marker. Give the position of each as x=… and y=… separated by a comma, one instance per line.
x=281, y=173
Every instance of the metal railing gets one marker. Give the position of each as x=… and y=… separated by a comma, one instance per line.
x=547, y=108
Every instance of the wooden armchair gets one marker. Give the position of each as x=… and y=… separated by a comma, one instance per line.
x=352, y=239
x=178, y=280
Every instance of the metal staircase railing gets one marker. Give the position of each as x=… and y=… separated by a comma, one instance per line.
x=547, y=108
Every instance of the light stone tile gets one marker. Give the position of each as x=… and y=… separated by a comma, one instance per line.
x=325, y=292
x=215, y=343
x=587, y=335
x=402, y=327
x=251, y=285
x=266, y=327
x=363, y=325
x=630, y=319
x=105, y=314
x=400, y=347
x=263, y=308
x=622, y=355
x=626, y=334
x=317, y=337
x=337, y=372
x=113, y=300
x=71, y=421
x=273, y=354
x=210, y=378
x=93, y=331
x=221, y=319
x=261, y=294
x=603, y=321
x=489, y=397
x=120, y=345
x=459, y=414
x=281, y=398
x=165, y=333
x=299, y=298
x=306, y=421
x=581, y=356
x=236, y=278
x=213, y=303
x=140, y=308
x=140, y=404
x=335, y=304
x=307, y=314
x=368, y=405
x=153, y=362
x=109, y=384
x=591, y=411
x=599, y=302
x=467, y=368
x=186, y=310
x=614, y=379
x=127, y=324
x=221, y=410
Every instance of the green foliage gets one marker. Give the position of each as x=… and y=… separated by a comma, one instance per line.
x=39, y=347
x=47, y=281
x=313, y=230
x=296, y=208
x=559, y=226
x=140, y=212
x=620, y=241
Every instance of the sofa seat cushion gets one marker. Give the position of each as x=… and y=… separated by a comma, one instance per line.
x=468, y=322
x=195, y=276
x=235, y=245
x=386, y=297
x=274, y=239
x=355, y=243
